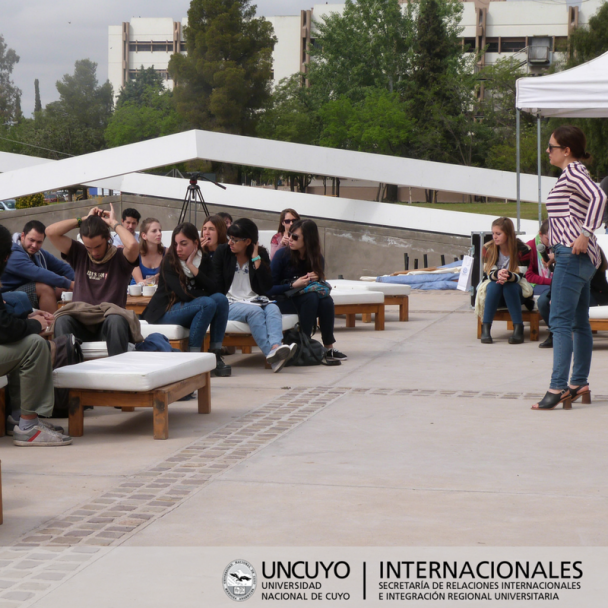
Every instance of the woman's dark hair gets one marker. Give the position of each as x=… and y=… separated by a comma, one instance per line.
x=143, y=244
x=190, y=232
x=225, y=216
x=572, y=137
x=244, y=228
x=312, y=248
x=544, y=227
x=6, y=245
x=94, y=226
x=282, y=218
x=220, y=227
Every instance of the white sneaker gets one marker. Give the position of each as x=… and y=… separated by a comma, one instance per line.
x=11, y=423
x=39, y=436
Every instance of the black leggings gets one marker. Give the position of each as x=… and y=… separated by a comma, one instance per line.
x=308, y=307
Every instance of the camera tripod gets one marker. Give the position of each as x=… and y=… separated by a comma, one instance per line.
x=194, y=199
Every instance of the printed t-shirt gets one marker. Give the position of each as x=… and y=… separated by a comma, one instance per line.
x=97, y=283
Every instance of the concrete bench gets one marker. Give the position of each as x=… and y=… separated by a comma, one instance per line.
x=351, y=302
x=502, y=314
x=239, y=334
x=141, y=380
x=393, y=294
x=176, y=334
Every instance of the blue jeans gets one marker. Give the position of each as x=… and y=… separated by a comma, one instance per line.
x=544, y=306
x=17, y=303
x=197, y=315
x=498, y=296
x=266, y=323
x=569, y=319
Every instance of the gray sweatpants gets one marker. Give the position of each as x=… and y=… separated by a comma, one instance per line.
x=27, y=363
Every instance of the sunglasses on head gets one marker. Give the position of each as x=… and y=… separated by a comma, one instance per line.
x=294, y=237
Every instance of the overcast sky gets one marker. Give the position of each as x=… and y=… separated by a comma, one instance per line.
x=50, y=35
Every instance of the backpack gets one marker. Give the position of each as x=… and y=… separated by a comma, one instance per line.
x=310, y=352
x=67, y=352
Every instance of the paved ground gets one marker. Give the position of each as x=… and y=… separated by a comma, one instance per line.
x=424, y=437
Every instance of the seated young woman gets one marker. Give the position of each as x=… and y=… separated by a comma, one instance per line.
x=213, y=233
x=151, y=252
x=502, y=257
x=187, y=295
x=242, y=272
x=299, y=265
x=281, y=238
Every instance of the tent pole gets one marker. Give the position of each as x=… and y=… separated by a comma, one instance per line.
x=517, y=165
x=540, y=216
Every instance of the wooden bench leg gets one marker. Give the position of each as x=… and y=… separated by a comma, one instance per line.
x=76, y=416
x=350, y=320
x=479, y=328
x=1, y=509
x=379, y=326
x=534, y=329
x=161, y=415
x=128, y=409
x=366, y=317
x=246, y=350
x=204, y=396
x=510, y=325
x=404, y=309
x=2, y=413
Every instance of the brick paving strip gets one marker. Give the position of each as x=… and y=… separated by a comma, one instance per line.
x=45, y=558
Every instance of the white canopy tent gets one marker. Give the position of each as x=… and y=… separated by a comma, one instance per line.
x=580, y=92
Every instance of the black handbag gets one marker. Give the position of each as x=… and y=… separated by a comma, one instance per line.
x=310, y=352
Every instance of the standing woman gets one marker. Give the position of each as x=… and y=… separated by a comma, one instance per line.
x=187, y=295
x=297, y=266
x=281, y=238
x=151, y=252
x=213, y=234
x=575, y=206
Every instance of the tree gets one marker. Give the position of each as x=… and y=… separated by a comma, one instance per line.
x=367, y=46
x=37, y=102
x=144, y=110
x=9, y=93
x=225, y=79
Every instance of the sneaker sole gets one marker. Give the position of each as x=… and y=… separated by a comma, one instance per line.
x=222, y=374
x=280, y=365
x=336, y=359
x=41, y=444
x=280, y=355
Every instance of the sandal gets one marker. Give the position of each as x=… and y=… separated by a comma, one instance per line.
x=580, y=391
x=550, y=400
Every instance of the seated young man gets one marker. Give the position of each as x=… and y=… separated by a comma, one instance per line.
x=102, y=274
x=130, y=220
x=25, y=358
x=34, y=271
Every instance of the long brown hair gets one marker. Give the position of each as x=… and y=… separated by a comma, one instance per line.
x=282, y=218
x=312, y=248
x=220, y=226
x=143, y=244
x=190, y=232
x=491, y=250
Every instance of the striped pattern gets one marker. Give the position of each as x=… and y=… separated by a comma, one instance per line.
x=574, y=203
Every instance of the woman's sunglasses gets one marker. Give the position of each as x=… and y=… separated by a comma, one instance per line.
x=552, y=147
x=231, y=239
x=294, y=237
x=288, y=221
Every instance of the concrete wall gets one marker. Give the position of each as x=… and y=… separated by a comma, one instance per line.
x=351, y=249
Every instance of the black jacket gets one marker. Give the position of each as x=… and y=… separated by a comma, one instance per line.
x=13, y=329
x=203, y=284
x=224, y=267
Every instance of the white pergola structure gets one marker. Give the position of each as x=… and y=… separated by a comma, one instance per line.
x=117, y=169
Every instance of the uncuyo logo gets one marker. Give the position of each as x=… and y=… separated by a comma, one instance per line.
x=240, y=580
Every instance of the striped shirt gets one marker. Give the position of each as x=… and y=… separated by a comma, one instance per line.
x=574, y=203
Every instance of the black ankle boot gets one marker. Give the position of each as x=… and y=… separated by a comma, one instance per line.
x=548, y=343
x=486, y=338
x=518, y=334
x=221, y=369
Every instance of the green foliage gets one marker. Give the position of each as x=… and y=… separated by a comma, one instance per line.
x=225, y=78
x=144, y=110
x=37, y=102
x=33, y=200
x=10, y=107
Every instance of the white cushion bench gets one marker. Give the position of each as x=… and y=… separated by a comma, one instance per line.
x=393, y=294
x=351, y=302
x=598, y=318
x=176, y=334
x=140, y=380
